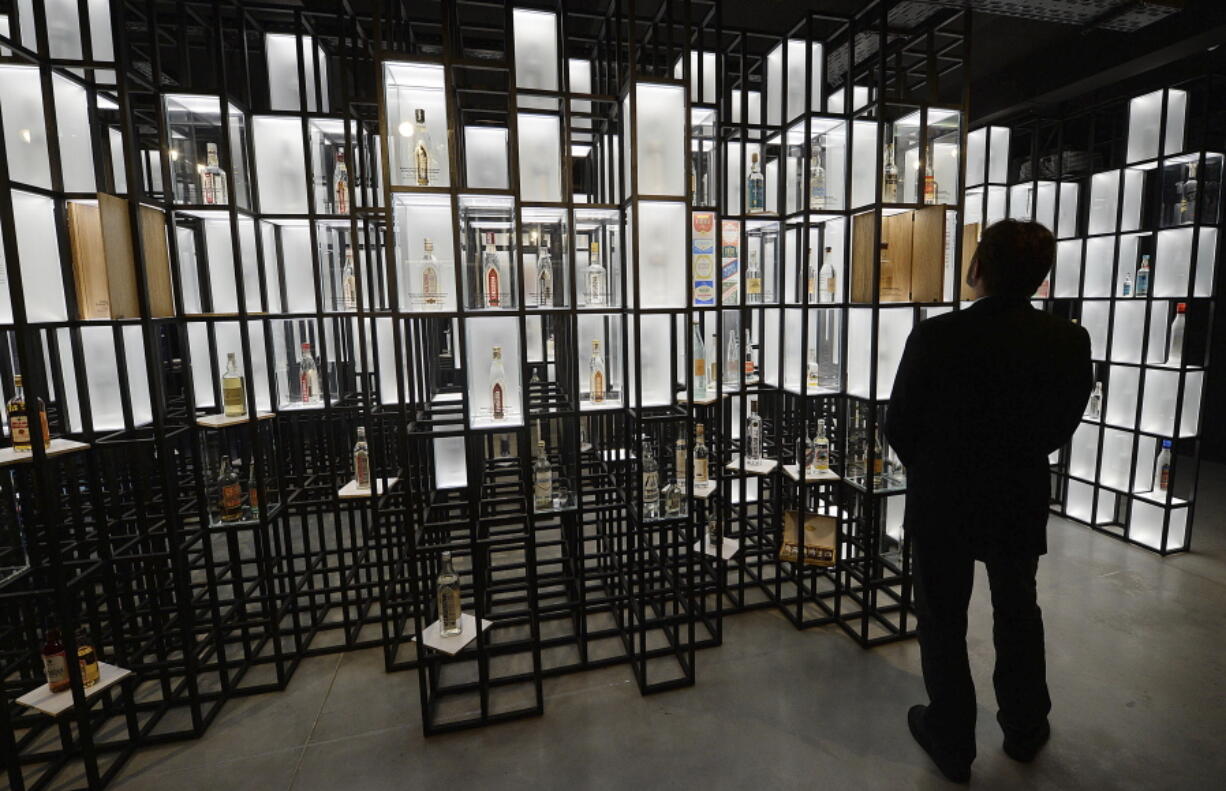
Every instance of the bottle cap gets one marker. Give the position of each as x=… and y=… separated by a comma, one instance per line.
x=17, y=380
x=1181, y=307
x=1166, y=443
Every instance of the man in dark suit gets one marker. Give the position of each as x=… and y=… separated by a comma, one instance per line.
x=982, y=397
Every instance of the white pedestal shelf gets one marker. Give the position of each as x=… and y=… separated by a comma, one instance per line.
x=726, y=551
x=705, y=489
x=56, y=703
x=793, y=472
x=759, y=467
x=432, y=636
x=222, y=421
x=1159, y=498
x=708, y=399
x=58, y=447
x=350, y=491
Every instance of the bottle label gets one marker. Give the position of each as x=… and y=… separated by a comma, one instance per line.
x=1164, y=477
x=598, y=387
x=429, y=284
x=19, y=426
x=492, y=289
x=680, y=464
x=305, y=382
x=702, y=257
x=231, y=496
x=253, y=496
x=421, y=159
x=234, y=397
x=361, y=470
x=496, y=401
x=753, y=285
x=449, y=607
x=350, y=292
x=543, y=489
x=700, y=368
x=700, y=470
x=651, y=487
x=55, y=668
x=342, y=196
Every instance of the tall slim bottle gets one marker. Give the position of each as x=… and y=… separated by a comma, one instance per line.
x=679, y=457
x=753, y=434
x=813, y=280
x=423, y=150
x=349, y=282
x=491, y=268
x=701, y=456
x=828, y=280
x=498, y=384
x=597, y=377
x=1162, y=468
x=889, y=186
x=340, y=184
x=651, y=483
x=213, y=179
x=308, y=376
x=732, y=360
x=930, y=182
x=755, y=188
x=233, y=389
x=1143, y=273
x=700, y=362
x=544, y=276
x=542, y=480
x=1174, y=348
x=361, y=461
x=817, y=176
x=597, y=281
x=448, y=591
x=429, y=276
x=753, y=277
x=829, y=371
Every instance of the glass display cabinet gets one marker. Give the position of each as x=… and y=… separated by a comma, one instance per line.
x=204, y=171
x=545, y=242
x=488, y=251
x=417, y=124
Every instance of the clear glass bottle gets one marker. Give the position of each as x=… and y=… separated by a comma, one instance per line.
x=753, y=277
x=542, y=480
x=828, y=279
x=700, y=361
x=679, y=460
x=822, y=443
x=1162, y=468
x=715, y=532
x=732, y=360
x=931, y=189
x=229, y=492
x=87, y=659
x=340, y=184
x=308, y=376
x=430, y=295
x=1174, y=347
x=361, y=461
x=213, y=179
x=423, y=150
x=544, y=276
x=817, y=175
x=447, y=588
x=1126, y=290
x=491, y=268
x=829, y=371
x=674, y=499
x=812, y=377
x=712, y=350
x=549, y=347
x=813, y=279
x=753, y=434
x=446, y=352
x=1094, y=408
x=1143, y=274
x=598, y=380
x=1187, y=190
x=349, y=282
x=755, y=187
x=889, y=186
x=701, y=456
x=856, y=448
x=597, y=281
x=233, y=389
x=651, y=483
x=498, y=384
x=19, y=419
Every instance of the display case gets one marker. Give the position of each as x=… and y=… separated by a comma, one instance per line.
x=488, y=249
x=415, y=108
x=547, y=269
x=204, y=169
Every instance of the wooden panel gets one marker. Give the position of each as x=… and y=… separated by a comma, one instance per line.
x=970, y=242
x=896, y=234
x=862, y=257
x=120, y=268
x=88, y=261
x=157, y=262
x=928, y=255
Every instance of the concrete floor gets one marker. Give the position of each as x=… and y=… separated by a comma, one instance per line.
x=1137, y=669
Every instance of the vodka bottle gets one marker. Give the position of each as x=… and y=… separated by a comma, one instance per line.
x=701, y=456
x=715, y=532
x=651, y=483
x=829, y=371
x=544, y=276
x=361, y=461
x=498, y=384
x=753, y=434
x=1094, y=409
x=1126, y=291
x=856, y=447
x=597, y=281
x=674, y=499
x=817, y=176
x=753, y=278
x=812, y=375
x=713, y=364
x=930, y=182
x=491, y=267
x=822, y=441
x=1143, y=273
x=19, y=419
x=340, y=184
x=448, y=592
x=755, y=187
x=1162, y=468
x=229, y=492
x=1187, y=190
x=308, y=376
x=597, y=377
x=679, y=457
x=807, y=454
x=233, y=389
x=889, y=187
x=253, y=491
x=429, y=276
x=542, y=480
x=1174, y=347
x=549, y=347
x=349, y=282
x=700, y=362
x=423, y=150
x=446, y=352
x=814, y=277
x=213, y=179
x=828, y=279
x=732, y=360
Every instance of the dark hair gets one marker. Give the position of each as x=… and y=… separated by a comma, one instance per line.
x=1014, y=257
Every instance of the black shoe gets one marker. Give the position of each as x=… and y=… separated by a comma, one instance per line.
x=1025, y=750
x=955, y=770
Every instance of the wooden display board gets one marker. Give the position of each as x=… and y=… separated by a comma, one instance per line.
x=103, y=262
x=914, y=267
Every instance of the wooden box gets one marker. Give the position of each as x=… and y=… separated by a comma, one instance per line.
x=913, y=267
x=103, y=261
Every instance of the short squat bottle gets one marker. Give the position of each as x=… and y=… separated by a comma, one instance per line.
x=448, y=586
x=233, y=389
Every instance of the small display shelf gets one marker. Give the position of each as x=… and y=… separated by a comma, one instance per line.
x=56, y=703
x=725, y=550
x=350, y=491
x=432, y=636
x=58, y=447
x=759, y=467
x=224, y=421
x=793, y=472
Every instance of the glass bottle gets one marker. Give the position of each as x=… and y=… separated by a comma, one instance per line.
x=814, y=277
x=596, y=277
x=544, y=277
x=308, y=376
x=1143, y=274
x=597, y=377
x=229, y=492
x=812, y=376
x=753, y=434
x=732, y=360
x=817, y=175
x=930, y=181
x=491, y=267
x=822, y=442
x=828, y=279
x=674, y=499
x=877, y=461
x=806, y=453
x=889, y=187
x=55, y=661
x=233, y=389
x=19, y=419
x=253, y=491
x=1174, y=348
x=753, y=277
x=712, y=350
x=829, y=371
x=756, y=187
x=423, y=152
x=855, y=449
x=700, y=362
x=429, y=275
x=1094, y=408
x=349, y=282
x=679, y=457
x=1187, y=190
x=212, y=179
x=87, y=658
x=651, y=483
x=1126, y=291
x=498, y=384
x=446, y=352
x=1162, y=468
x=340, y=184
x=361, y=461
x=715, y=533
x=542, y=480
x=549, y=347
x=448, y=590
x=701, y=456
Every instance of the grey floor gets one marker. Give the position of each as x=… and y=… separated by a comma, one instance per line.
x=1137, y=669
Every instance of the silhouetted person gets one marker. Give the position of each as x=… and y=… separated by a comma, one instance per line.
x=982, y=397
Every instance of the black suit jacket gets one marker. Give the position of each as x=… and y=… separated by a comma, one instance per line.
x=982, y=397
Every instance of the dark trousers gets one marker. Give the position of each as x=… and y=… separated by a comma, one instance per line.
x=944, y=577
